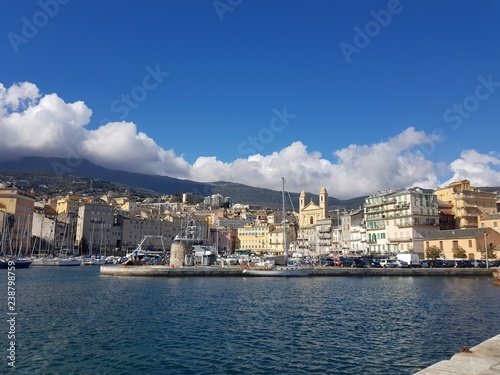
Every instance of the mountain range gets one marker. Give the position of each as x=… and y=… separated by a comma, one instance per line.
x=57, y=169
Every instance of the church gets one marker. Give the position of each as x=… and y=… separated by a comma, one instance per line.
x=310, y=213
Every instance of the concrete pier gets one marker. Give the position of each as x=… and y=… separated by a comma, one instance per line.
x=481, y=359
x=496, y=276
x=167, y=271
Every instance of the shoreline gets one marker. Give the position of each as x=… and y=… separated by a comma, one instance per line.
x=211, y=271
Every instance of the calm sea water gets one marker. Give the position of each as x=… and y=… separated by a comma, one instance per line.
x=74, y=321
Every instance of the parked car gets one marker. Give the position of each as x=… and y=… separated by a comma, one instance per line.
x=325, y=262
x=437, y=263
x=346, y=262
x=424, y=264
x=373, y=263
x=402, y=264
x=388, y=263
x=476, y=263
x=358, y=263
x=460, y=263
x=337, y=262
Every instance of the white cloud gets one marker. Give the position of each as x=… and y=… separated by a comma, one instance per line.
x=479, y=169
x=44, y=125
x=359, y=170
x=17, y=96
x=32, y=124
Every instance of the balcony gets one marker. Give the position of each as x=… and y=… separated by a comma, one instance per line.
x=399, y=239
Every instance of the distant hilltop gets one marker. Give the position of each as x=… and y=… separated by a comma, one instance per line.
x=55, y=169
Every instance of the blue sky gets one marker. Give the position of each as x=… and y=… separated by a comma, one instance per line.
x=356, y=96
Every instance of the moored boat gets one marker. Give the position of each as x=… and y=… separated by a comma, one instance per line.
x=17, y=263
x=270, y=268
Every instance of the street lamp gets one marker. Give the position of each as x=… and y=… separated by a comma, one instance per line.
x=486, y=250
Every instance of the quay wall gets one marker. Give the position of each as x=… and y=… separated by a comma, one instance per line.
x=167, y=271
x=480, y=359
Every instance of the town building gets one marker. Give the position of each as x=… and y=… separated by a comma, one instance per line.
x=323, y=229
x=491, y=221
x=255, y=237
x=95, y=230
x=469, y=204
x=398, y=220
x=20, y=204
x=474, y=241
x=353, y=232
x=133, y=230
x=68, y=205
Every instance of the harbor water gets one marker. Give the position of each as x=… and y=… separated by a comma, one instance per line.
x=72, y=320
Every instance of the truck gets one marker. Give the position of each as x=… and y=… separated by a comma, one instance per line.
x=412, y=259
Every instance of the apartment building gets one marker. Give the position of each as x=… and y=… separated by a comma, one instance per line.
x=20, y=204
x=95, y=228
x=324, y=244
x=469, y=204
x=491, y=221
x=353, y=232
x=133, y=230
x=398, y=220
x=68, y=205
x=256, y=238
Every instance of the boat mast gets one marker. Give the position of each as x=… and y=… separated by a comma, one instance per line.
x=283, y=213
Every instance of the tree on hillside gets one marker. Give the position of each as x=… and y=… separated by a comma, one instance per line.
x=432, y=252
x=459, y=253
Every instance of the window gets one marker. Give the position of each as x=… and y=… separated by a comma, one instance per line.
x=470, y=243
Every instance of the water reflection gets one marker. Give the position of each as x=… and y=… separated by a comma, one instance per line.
x=74, y=321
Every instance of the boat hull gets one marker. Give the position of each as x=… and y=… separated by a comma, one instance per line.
x=44, y=262
x=279, y=272
x=17, y=263
x=69, y=262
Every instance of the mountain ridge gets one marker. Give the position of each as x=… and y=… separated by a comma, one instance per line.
x=239, y=193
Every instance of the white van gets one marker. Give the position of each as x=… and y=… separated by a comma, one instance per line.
x=412, y=259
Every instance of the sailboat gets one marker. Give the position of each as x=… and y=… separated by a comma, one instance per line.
x=273, y=270
x=12, y=260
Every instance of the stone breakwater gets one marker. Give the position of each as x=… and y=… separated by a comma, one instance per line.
x=167, y=271
x=480, y=359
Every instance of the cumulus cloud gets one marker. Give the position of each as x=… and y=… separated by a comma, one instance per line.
x=33, y=124
x=358, y=170
x=479, y=169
